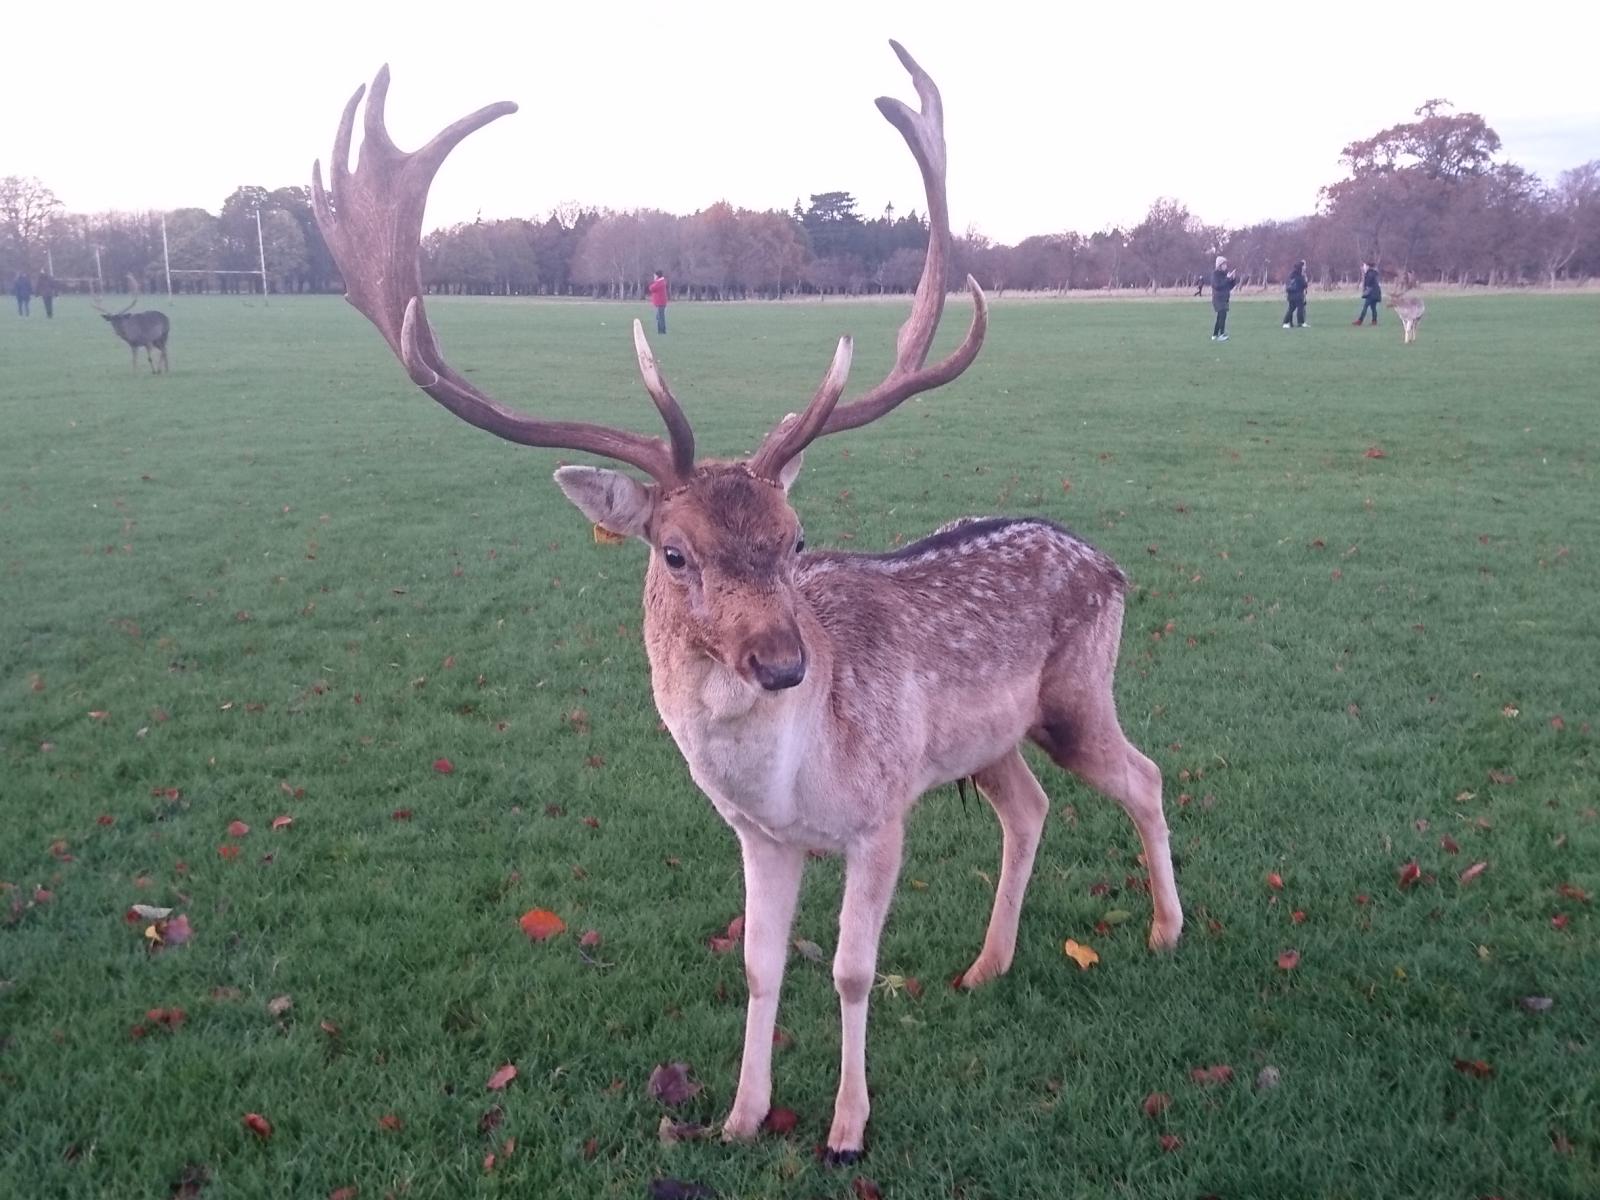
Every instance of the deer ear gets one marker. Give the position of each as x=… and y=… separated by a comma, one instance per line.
x=791, y=471
x=610, y=499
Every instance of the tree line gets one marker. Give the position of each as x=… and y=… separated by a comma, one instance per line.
x=1430, y=197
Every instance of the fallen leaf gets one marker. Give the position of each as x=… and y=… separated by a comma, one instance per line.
x=1475, y=1067
x=390, y=1122
x=1502, y=777
x=174, y=932
x=781, y=1121
x=258, y=1125
x=488, y=1162
x=237, y=829
x=1156, y=1103
x=345, y=1193
x=809, y=951
x=400, y=814
x=1448, y=845
x=1536, y=1004
x=1472, y=872
x=591, y=1148
x=866, y=1189
x=105, y=819
x=1298, y=916
x=1559, y=921
x=1268, y=1078
x=149, y=912
x=590, y=939
x=670, y=1132
x=1084, y=956
x=1289, y=960
x=670, y=1083
x=282, y=822
x=1374, y=452
x=678, y=1189
x=1219, y=1073
x=1409, y=874
x=1170, y=1143
x=228, y=852
x=279, y=1005
x=497, y=1081
x=541, y=924
x=1275, y=881
x=443, y=766
x=1572, y=892
x=490, y=1121
x=191, y=1183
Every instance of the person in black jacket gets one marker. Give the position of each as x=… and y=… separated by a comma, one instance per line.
x=1223, y=281
x=1371, y=293
x=1295, y=288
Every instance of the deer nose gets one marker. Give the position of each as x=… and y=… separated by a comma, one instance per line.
x=779, y=671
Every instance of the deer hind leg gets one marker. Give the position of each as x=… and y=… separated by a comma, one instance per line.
x=772, y=873
x=1020, y=803
x=1083, y=736
x=871, y=869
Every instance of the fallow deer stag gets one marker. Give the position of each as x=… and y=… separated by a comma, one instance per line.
x=814, y=694
x=1408, y=306
x=148, y=329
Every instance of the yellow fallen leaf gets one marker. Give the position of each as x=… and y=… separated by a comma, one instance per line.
x=1084, y=956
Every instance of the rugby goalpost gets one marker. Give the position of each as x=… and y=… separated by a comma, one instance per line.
x=166, y=261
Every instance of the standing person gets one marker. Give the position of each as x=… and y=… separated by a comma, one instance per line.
x=1295, y=289
x=46, y=289
x=1371, y=293
x=658, y=297
x=1223, y=281
x=22, y=289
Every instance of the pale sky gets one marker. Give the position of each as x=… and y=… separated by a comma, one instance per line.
x=1058, y=116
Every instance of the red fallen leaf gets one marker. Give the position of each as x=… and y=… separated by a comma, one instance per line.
x=174, y=932
x=258, y=1125
x=508, y=1148
x=137, y=1031
x=345, y=1193
x=237, y=829
x=1171, y=1143
x=590, y=939
x=490, y=1121
x=400, y=814
x=1448, y=845
x=1472, y=872
x=591, y=1148
x=1298, y=916
x=1502, y=777
x=331, y=1028
x=592, y=822
x=722, y=943
x=1560, y=1143
x=226, y=993
x=913, y=987
x=540, y=924
x=229, y=852
x=1156, y=1103
x=1220, y=1073
x=191, y=1182
x=43, y=895
x=1557, y=723
x=98, y=715
x=1275, y=881
x=782, y=1041
x=1289, y=960
x=1374, y=452
x=497, y=1081
x=670, y=1083
x=1409, y=874
x=444, y=766
x=1572, y=892
x=390, y=1122
x=1559, y=921
x=1363, y=898
x=167, y=1018
x=866, y=1189
x=1100, y=889
x=1475, y=1067
x=105, y=819
x=781, y=1121
x=488, y=1162
x=282, y=822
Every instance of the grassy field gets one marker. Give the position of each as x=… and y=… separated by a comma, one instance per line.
x=282, y=583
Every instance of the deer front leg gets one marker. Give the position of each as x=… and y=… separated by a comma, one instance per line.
x=871, y=869
x=772, y=874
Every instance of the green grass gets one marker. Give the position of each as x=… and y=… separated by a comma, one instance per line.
x=291, y=583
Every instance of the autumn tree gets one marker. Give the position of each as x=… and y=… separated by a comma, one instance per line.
x=27, y=211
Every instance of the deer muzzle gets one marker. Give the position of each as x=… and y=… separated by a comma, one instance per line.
x=776, y=658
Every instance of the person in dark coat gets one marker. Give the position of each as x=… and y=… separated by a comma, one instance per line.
x=22, y=289
x=45, y=289
x=1223, y=281
x=1371, y=293
x=1294, y=287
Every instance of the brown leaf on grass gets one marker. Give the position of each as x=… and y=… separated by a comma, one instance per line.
x=591, y=1147
x=279, y=1005
x=1475, y=1067
x=1557, y=723
x=1408, y=875
x=1156, y=1103
x=174, y=932
x=1502, y=777
x=590, y=939
x=191, y=1182
x=1560, y=1143
x=1559, y=921
x=228, y=852
x=1170, y=1143
x=444, y=766
x=809, y=951
x=1472, y=872
x=1448, y=845
x=1084, y=956
x=1298, y=916
x=1536, y=1004
x=497, y=1081
x=258, y=1125
x=781, y=1121
x=541, y=924
x=490, y=1121
x=723, y=942
x=670, y=1084
x=670, y=1132
x=390, y=1123
x=400, y=814
x=1219, y=1073
x=592, y=822
x=282, y=822
x=1374, y=452
x=865, y=1189
x=345, y=1193
x=1288, y=960
x=1572, y=892
x=166, y=1018
x=1275, y=881
x=238, y=829
x=679, y=1189
x=1268, y=1078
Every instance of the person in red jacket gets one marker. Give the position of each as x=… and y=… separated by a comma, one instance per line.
x=658, y=297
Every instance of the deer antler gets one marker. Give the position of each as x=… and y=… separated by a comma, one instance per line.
x=924, y=134
x=373, y=226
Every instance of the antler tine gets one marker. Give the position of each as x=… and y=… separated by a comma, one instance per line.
x=791, y=436
x=666, y=404
x=372, y=222
x=924, y=135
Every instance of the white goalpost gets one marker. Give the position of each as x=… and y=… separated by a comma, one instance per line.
x=261, y=257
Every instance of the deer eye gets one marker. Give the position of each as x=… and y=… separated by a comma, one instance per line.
x=674, y=558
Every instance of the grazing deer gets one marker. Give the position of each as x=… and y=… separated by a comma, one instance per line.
x=1408, y=306
x=148, y=329
x=814, y=694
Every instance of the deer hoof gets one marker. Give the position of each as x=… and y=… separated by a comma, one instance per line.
x=841, y=1158
x=1165, y=937
x=740, y=1129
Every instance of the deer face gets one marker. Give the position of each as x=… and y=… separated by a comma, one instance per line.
x=723, y=548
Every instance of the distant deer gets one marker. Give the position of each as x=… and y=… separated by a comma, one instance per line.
x=1408, y=306
x=814, y=694
x=148, y=329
